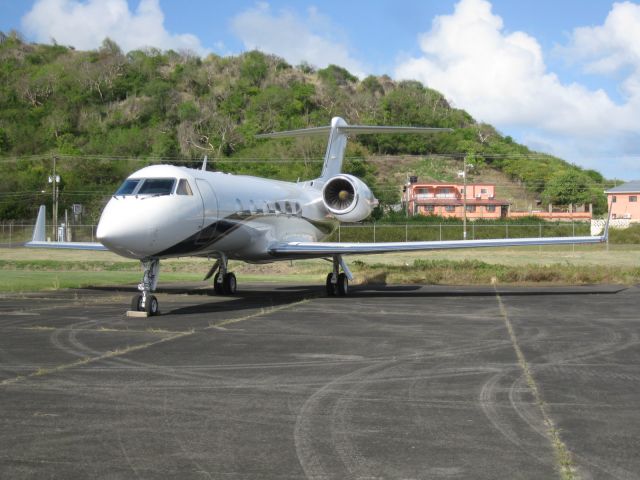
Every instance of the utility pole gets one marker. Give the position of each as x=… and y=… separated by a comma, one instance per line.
x=464, y=198
x=54, y=180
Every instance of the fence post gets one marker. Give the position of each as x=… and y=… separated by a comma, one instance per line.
x=440, y=232
x=92, y=233
x=540, y=235
x=406, y=232
x=374, y=232
x=573, y=230
x=507, y=230
x=473, y=231
x=10, y=231
x=338, y=232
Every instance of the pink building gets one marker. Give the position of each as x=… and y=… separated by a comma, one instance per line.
x=623, y=200
x=447, y=199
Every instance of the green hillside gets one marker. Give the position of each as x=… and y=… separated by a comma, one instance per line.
x=104, y=113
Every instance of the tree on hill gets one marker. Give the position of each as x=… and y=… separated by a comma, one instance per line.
x=150, y=105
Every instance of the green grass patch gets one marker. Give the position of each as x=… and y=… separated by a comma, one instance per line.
x=30, y=281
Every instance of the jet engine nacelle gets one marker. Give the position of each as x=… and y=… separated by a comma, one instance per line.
x=348, y=198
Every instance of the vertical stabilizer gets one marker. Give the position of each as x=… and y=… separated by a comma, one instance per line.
x=39, y=229
x=335, y=149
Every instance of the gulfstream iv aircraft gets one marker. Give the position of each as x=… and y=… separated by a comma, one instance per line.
x=163, y=211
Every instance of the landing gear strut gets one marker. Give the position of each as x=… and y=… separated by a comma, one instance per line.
x=337, y=282
x=224, y=283
x=144, y=301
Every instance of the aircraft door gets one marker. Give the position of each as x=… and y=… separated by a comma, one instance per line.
x=209, y=203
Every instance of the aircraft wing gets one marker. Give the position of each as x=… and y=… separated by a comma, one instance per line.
x=319, y=249
x=39, y=240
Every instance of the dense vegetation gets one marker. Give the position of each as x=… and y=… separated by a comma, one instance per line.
x=104, y=113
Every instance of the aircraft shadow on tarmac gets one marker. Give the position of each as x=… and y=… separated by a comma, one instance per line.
x=272, y=296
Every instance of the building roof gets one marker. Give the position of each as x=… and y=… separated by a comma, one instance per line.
x=629, y=187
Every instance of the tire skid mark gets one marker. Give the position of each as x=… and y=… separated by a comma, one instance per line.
x=115, y=354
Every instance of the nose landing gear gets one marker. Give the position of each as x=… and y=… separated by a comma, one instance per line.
x=144, y=301
x=338, y=283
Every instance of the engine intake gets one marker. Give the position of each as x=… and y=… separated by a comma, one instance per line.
x=348, y=198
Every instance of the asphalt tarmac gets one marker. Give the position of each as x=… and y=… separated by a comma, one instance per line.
x=281, y=382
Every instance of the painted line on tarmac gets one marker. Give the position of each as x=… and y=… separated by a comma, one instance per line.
x=43, y=371
x=562, y=454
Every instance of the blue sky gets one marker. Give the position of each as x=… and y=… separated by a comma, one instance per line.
x=562, y=77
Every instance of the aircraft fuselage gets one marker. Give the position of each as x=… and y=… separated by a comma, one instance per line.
x=157, y=215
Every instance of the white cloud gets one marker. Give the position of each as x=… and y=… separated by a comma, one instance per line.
x=85, y=24
x=501, y=77
x=295, y=39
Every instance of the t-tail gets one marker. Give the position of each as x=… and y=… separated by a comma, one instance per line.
x=339, y=132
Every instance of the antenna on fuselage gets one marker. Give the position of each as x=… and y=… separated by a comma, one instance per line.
x=204, y=164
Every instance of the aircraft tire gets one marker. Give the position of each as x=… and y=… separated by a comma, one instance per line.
x=230, y=284
x=152, y=306
x=331, y=287
x=136, y=302
x=342, y=285
x=218, y=287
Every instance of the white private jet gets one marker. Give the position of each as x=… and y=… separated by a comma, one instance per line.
x=163, y=211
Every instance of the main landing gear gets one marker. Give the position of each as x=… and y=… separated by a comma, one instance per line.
x=224, y=282
x=145, y=301
x=338, y=282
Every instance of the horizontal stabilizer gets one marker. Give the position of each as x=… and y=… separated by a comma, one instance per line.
x=353, y=130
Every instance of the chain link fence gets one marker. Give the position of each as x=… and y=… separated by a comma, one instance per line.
x=442, y=231
x=15, y=234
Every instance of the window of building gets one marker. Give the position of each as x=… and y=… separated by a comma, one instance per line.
x=614, y=199
x=183, y=187
x=471, y=208
x=428, y=208
x=633, y=198
x=491, y=208
x=483, y=190
x=450, y=208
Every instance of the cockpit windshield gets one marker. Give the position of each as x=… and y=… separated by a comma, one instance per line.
x=157, y=186
x=147, y=186
x=128, y=187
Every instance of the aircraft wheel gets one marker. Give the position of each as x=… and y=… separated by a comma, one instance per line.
x=343, y=285
x=151, y=307
x=331, y=287
x=136, y=303
x=218, y=287
x=230, y=284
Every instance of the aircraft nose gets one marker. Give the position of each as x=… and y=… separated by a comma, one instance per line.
x=122, y=231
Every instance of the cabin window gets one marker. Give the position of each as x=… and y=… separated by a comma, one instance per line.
x=483, y=191
x=428, y=208
x=614, y=199
x=633, y=198
x=491, y=208
x=184, y=188
x=471, y=208
x=157, y=186
x=287, y=207
x=450, y=208
x=128, y=186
